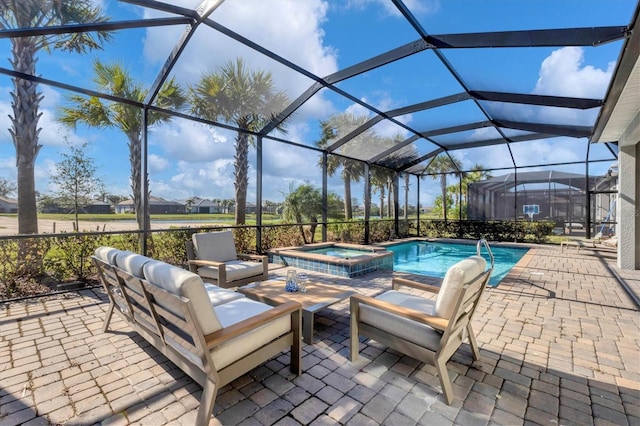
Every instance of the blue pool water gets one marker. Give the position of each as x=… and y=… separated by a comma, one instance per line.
x=434, y=258
x=339, y=252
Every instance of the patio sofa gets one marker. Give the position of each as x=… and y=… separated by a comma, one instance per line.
x=214, y=335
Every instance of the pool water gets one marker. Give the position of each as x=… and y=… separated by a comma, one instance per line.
x=343, y=253
x=435, y=258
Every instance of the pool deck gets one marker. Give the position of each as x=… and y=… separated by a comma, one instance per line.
x=559, y=338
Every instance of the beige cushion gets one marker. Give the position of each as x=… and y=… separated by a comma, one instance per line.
x=413, y=331
x=218, y=246
x=131, y=263
x=219, y=295
x=457, y=275
x=107, y=254
x=236, y=270
x=186, y=284
x=410, y=301
x=233, y=312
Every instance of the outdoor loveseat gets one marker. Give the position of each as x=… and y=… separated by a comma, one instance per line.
x=213, y=334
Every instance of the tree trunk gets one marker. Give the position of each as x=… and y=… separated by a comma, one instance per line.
x=348, y=211
x=139, y=201
x=241, y=176
x=406, y=196
x=25, y=131
x=443, y=188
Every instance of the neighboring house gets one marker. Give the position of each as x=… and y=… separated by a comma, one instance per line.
x=250, y=208
x=93, y=207
x=200, y=205
x=157, y=205
x=8, y=205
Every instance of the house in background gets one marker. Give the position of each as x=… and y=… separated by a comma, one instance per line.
x=8, y=205
x=157, y=205
x=200, y=205
x=92, y=207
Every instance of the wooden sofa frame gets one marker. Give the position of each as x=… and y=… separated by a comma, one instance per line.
x=168, y=322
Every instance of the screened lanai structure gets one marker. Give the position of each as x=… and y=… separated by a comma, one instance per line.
x=332, y=93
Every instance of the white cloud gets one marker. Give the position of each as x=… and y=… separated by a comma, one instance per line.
x=190, y=141
x=563, y=73
x=157, y=163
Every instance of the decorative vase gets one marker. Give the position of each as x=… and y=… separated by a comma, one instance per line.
x=292, y=281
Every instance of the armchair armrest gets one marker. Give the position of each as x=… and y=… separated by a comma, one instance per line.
x=408, y=313
x=397, y=282
x=254, y=257
x=218, y=337
x=201, y=262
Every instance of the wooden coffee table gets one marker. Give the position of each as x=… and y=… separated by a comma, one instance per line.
x=317, y=297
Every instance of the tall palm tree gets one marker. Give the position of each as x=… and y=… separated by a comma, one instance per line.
x=115, y=80
x=248, y=100
x=24, y=129
x=438, y=169
x=333, y=129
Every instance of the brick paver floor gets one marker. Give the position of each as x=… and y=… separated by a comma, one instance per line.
x=559, y=337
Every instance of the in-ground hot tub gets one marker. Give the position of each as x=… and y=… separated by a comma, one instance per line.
x=341, y=259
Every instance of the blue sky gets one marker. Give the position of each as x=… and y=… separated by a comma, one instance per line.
x=188, y=159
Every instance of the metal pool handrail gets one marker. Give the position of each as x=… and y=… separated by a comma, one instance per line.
x=484, y=242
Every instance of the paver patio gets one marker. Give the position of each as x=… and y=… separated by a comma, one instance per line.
x=560, y=343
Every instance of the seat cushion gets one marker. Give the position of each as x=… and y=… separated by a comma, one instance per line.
x=236, y=270
x=218, y=246
x=219, y=295
x=457, y=275
x=415, y=332
x=238, y=310
x=410, y=301
x=186, y=284
x=107, y=254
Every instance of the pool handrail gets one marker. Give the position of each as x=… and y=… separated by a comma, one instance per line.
x=479, y=245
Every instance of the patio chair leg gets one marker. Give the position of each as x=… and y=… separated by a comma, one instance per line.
x=473, y=343
x=445, y=381
x=354, y=345
x=107, y=319
x=207, y=401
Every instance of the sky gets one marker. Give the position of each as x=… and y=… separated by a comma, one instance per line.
x=190, y=159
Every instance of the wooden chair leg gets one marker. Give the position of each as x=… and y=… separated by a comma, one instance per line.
x=445, y=381
x=207, y=401
x=474, y=344
x=107, y=318
x=354, y=345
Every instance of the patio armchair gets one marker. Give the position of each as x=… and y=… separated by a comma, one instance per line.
x=213, y=256
x=428, y=330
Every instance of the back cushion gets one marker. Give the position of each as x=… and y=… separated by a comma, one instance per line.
x=186, y=284
x=218, y=246
x=107, y=254
x=131, y=262
x=457, y=276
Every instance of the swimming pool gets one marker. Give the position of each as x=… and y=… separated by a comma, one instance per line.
x=341, y=259
x=434, y=258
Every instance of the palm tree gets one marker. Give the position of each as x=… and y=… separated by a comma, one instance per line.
x=476, y=174
x=333, y=129
x=439, y=168
x=246, y=99
x=95, y=112
x=26, y=97
x=303, y=202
